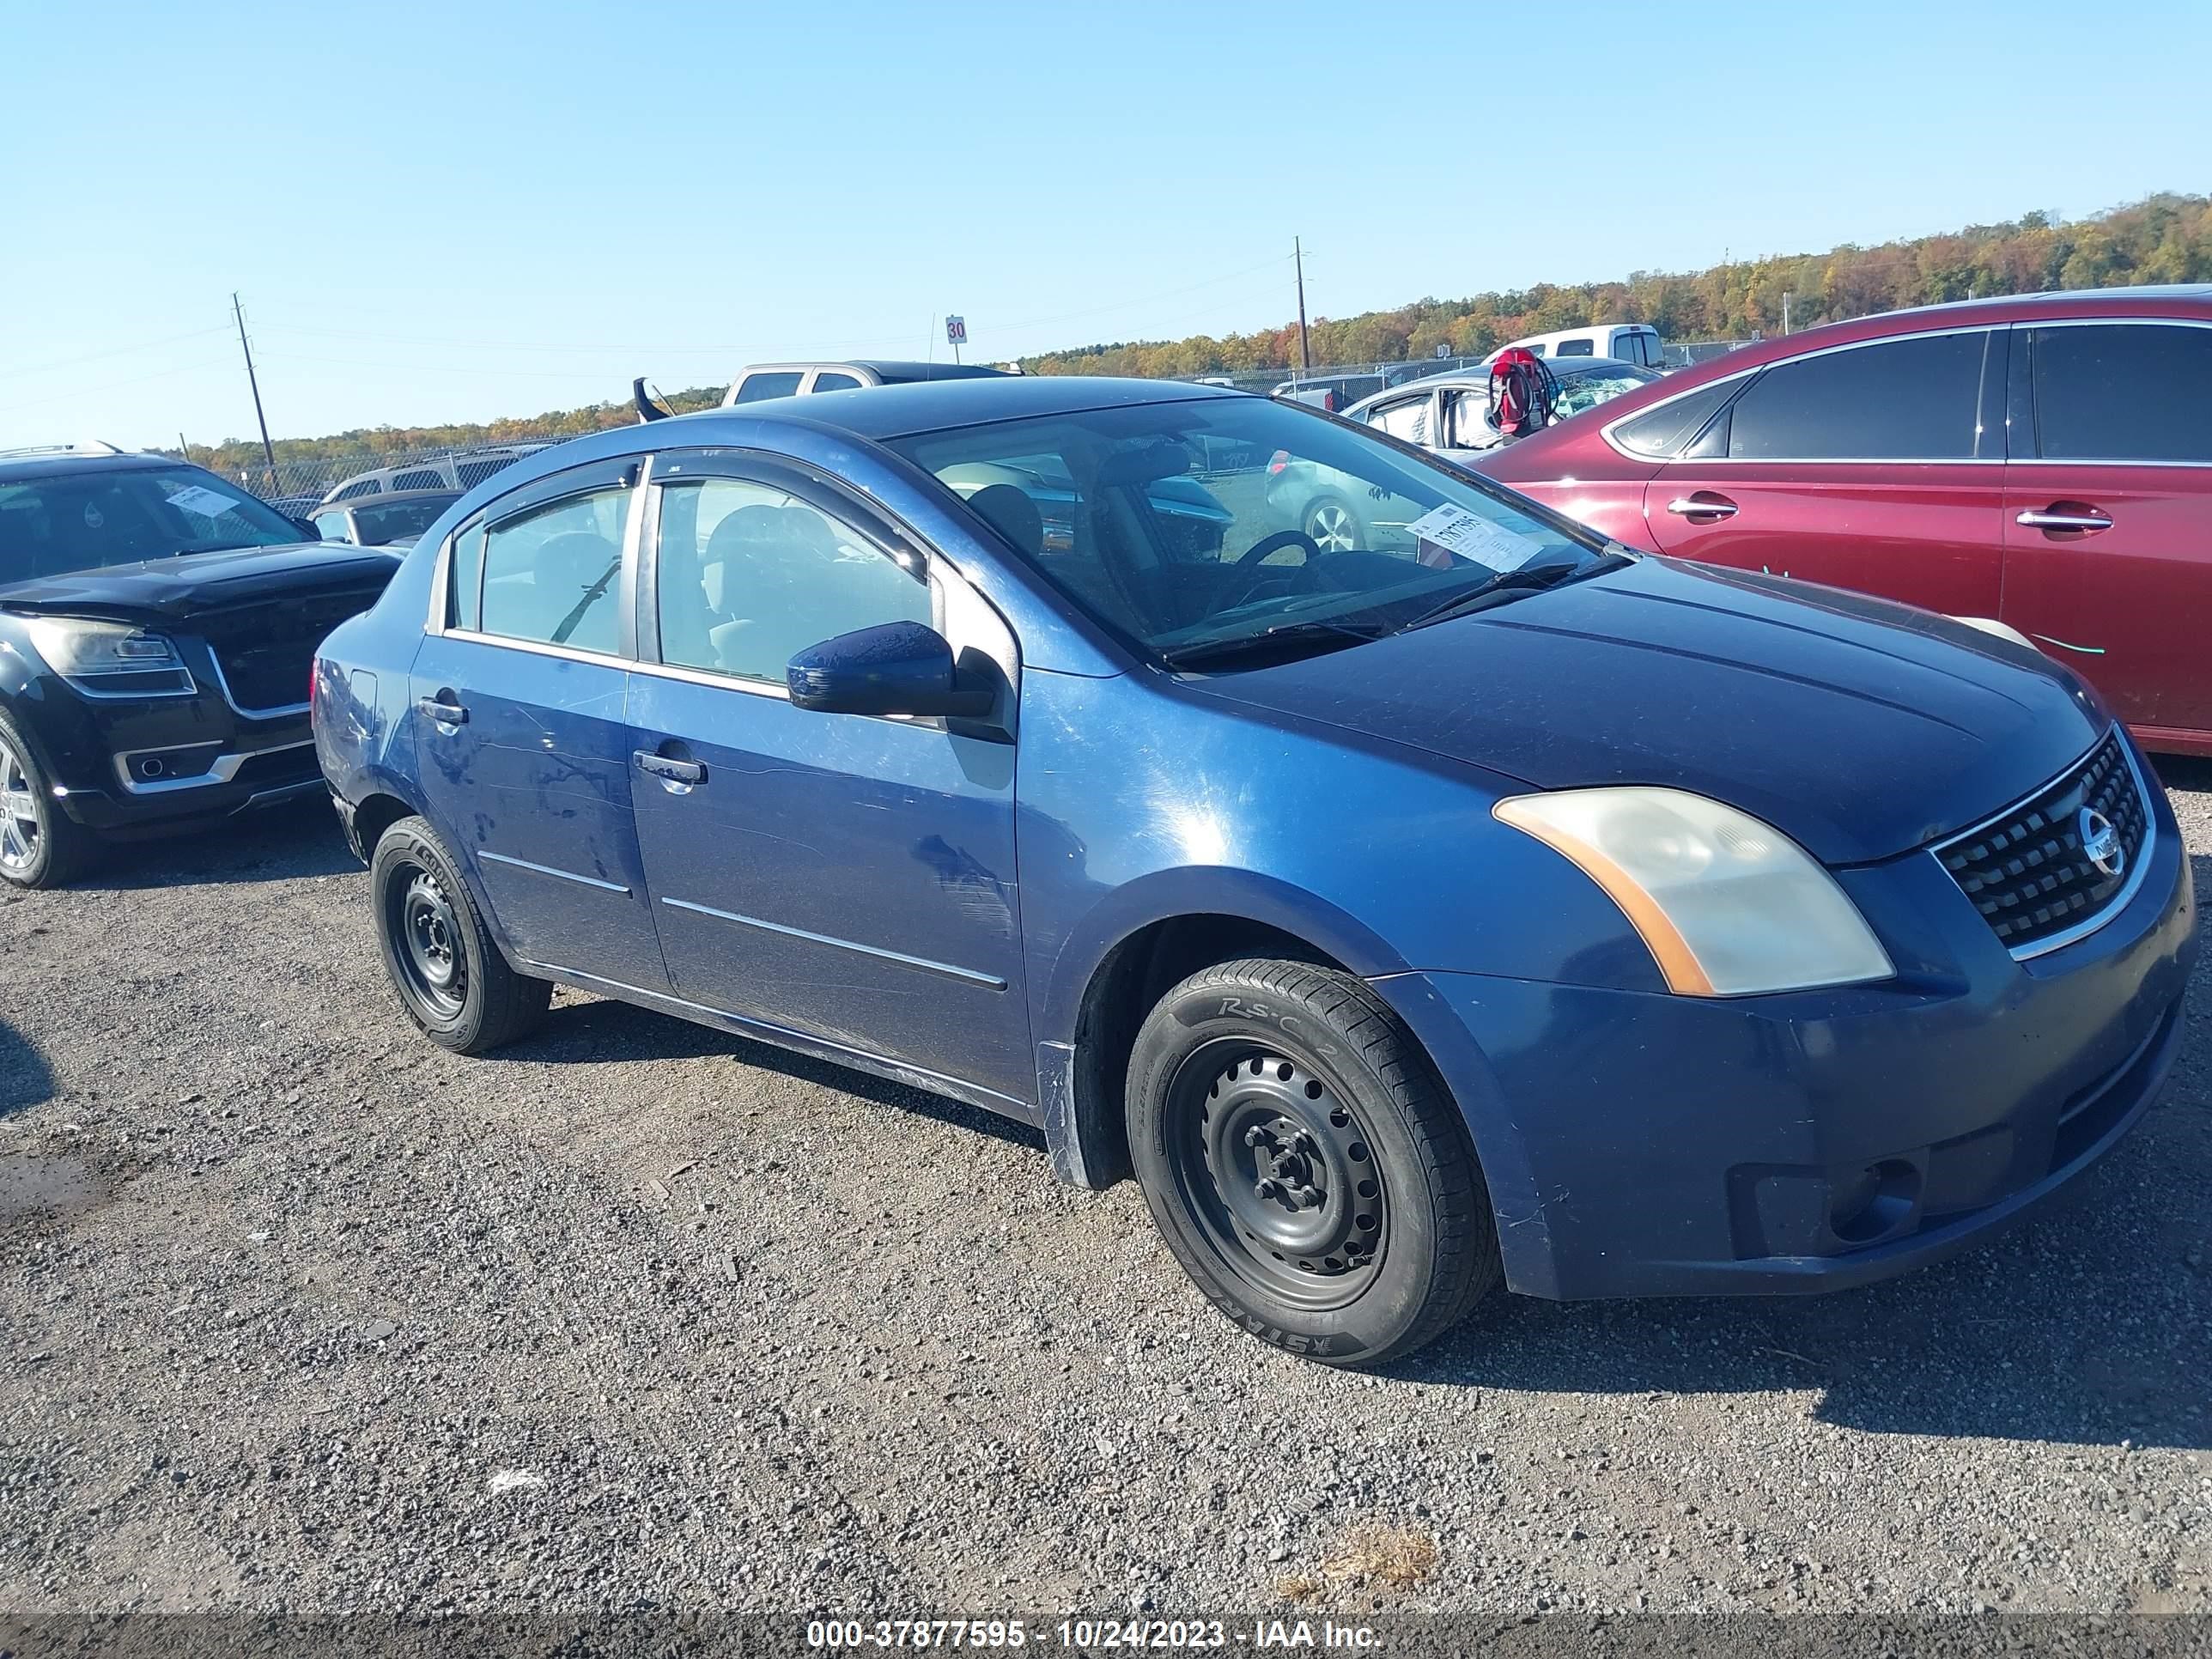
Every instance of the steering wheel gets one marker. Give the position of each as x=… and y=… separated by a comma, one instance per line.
x=1255, y=554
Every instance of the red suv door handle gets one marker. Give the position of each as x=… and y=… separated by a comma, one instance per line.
x=2057, y=516
x=1702, y=505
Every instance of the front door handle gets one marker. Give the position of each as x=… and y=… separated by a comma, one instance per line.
x=687, y=773
x=446, y=713
x=2055, y=517
x=1702, y=506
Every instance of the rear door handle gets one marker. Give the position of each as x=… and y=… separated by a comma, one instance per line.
x=2052, y=518
x=1691, y=506
x=446, y=713
x=670, y=771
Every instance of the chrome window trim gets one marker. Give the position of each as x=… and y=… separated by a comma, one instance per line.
x=669, y=671
x=2106, y=322
x=558, y=875
x=539, y=647
x=190, y=689
x=1627, y=454
x=282, y=711
x=2119, y=901
x=965, y=975
x=225, y=767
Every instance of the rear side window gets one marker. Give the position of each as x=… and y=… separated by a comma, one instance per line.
x=1907, y=400
x=1661, y=431
x=754, y=387
x=551, y=575
x=2124, y=392
x=830, y=380
x=354, y=491
x=1575, y=348
x=472, y=473
x=426, y=478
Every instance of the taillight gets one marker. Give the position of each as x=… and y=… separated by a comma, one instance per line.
x=1278, y=461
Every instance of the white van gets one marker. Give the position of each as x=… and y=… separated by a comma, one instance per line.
x=1632, y=342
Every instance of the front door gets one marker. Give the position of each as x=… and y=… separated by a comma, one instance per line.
x=842, y=876
x=1870, y=467
x=2108, y=513
x=520, y=729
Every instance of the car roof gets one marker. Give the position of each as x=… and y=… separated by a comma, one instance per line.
x=48, y=463
x=889, y=370
x=443, y=493
x=899, y=412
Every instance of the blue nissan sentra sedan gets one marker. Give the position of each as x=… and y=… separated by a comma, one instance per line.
x=1491, y=904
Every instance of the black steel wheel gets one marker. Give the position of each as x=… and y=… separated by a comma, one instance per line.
x=451, y=980
x=1278, y=1173
x=1305, y=1164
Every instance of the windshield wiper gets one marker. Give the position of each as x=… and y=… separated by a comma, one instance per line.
x=1283, y=639
x=1511, y=584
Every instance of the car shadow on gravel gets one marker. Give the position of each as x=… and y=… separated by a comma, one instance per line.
x=604, y=1029
x=2090, y=1324
x=25, y=1078
x=278, y=843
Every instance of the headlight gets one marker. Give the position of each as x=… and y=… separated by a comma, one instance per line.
x=108, y=659
x=1728, y=905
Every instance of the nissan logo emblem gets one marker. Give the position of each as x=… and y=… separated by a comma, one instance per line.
x=2100, y=841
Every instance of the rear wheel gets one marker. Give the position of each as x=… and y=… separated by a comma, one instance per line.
x=451, y=978
x=1331, y=525
x=1305, y=1165
x=40, y=845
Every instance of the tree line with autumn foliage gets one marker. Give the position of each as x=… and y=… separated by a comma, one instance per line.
x=2164, y=239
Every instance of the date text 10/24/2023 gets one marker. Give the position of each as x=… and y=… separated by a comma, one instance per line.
x=1089, y=1635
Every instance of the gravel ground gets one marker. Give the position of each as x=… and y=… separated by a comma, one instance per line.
x=298, y=1312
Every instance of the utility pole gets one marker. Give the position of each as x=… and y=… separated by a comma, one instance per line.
x=1785, y=314
x=1298, y=258
x=185, y=445
x=268, y=449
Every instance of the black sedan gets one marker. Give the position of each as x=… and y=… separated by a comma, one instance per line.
x=156, y=628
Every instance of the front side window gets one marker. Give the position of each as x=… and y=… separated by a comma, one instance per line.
x=87, y=518
x=1662, y=430
x=552, y=574
x=830, y=380
x=1914, y=399
x=334, y=527
x=2123, y=391
x=1586, y=390
x=755, y=387
x=381, y=523
x=1335, y=536
x=749, y=575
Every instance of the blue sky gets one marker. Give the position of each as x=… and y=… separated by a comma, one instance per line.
x=462, y=210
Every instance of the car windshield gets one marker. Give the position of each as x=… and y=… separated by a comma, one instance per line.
x=1580, y=391
x=376, y=523
x=85, y=518
x=1185, y=526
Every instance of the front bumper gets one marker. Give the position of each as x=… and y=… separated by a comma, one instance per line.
x=1647, y=1145
x=127, y=766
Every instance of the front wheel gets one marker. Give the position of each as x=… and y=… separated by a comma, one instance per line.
x=451, y=978
x=1331, y=526
x=40, y=845
x=1305, y=1165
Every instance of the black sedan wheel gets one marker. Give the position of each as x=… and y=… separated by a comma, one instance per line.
x=449, y=972
x=40, y=845
x=1305, y=1165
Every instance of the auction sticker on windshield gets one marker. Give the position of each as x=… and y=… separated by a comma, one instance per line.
x=198, y=498
x=1456, y=530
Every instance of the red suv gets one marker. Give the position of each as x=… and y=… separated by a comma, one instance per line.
x=2045, y=462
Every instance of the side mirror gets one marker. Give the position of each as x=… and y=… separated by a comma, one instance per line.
x=898, y=668
x=306, y=529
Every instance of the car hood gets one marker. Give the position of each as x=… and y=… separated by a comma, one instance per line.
x=190, y=583
x=1860, y=728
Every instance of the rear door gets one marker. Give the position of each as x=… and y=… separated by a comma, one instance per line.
x=521, y=740
x=844, y=876
x=1877, y=466
x=2108, y=511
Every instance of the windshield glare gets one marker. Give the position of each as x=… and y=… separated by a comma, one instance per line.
x=86, y=519
x=1180, y=524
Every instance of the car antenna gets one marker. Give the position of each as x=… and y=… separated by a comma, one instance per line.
x=650, y=406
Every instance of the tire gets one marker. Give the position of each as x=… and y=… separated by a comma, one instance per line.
x=1330, y=525
x=451, y=980
x=40, y=845
x=1353, y=1225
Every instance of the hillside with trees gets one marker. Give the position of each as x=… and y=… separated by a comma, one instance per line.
x=2162, y=239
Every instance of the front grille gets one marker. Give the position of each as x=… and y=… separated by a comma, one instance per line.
x=266, y=652
x=2026, y=870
